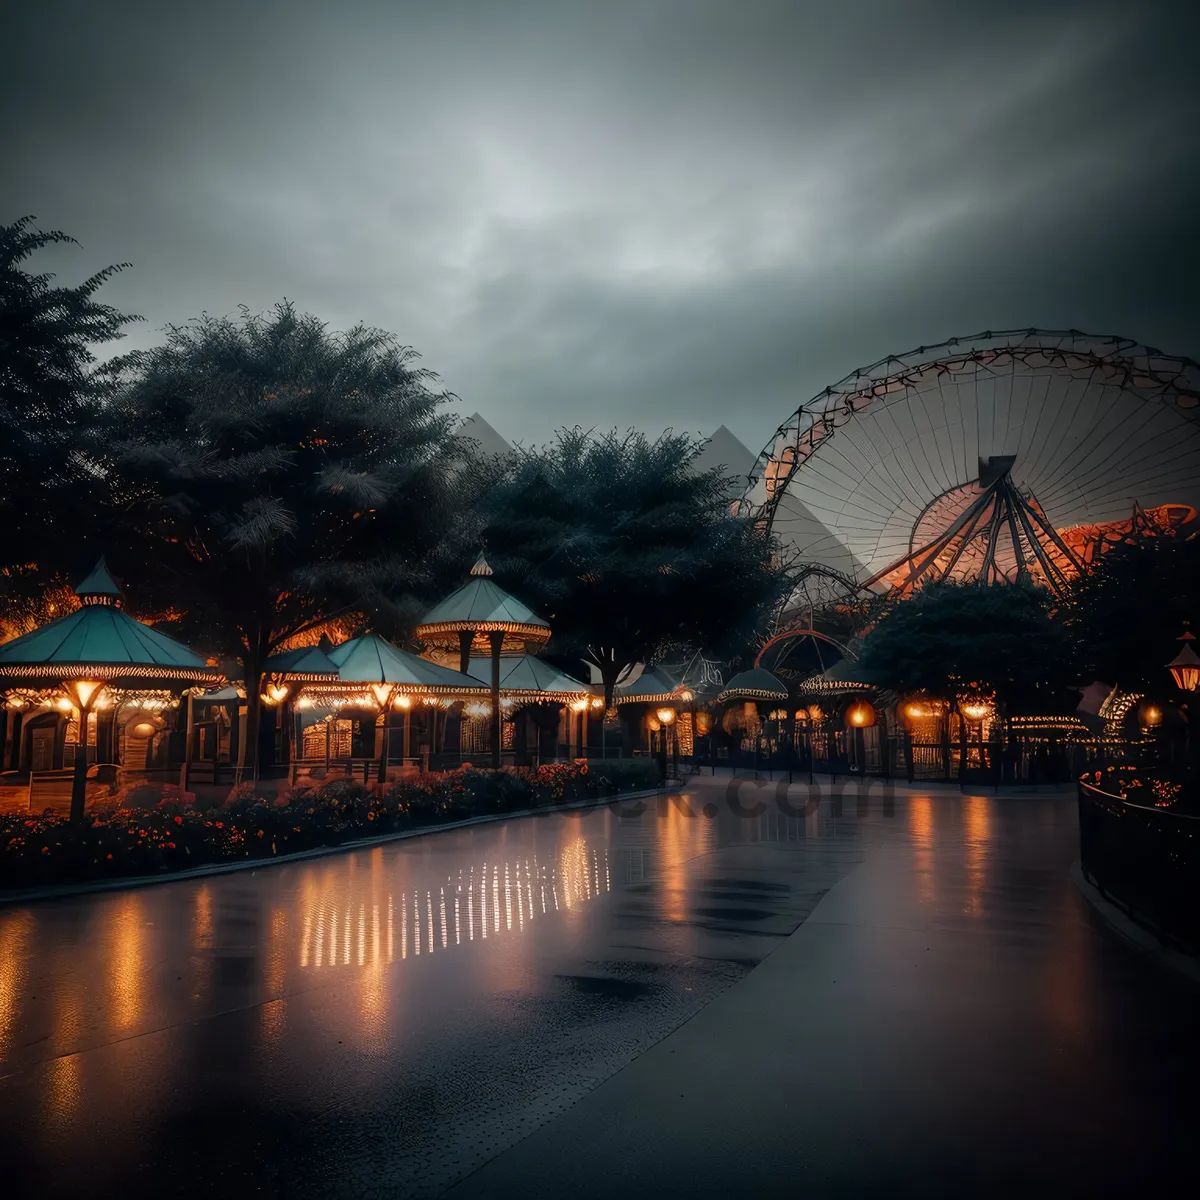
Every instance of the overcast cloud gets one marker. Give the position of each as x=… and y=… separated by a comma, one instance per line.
x=676, y=213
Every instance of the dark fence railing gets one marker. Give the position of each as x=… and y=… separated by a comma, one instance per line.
x=1146, y=861
x=871, y=754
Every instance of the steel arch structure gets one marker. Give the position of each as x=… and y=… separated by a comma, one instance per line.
x=1022, y=451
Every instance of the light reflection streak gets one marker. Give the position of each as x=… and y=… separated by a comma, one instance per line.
x=978, y=833
x=15, y=936
x=127, y=961
x=326, y=922
x=920, y=827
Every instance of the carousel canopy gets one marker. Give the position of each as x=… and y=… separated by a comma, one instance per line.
x=371, y=659
x=306, y=663
x=755, y=684
x=482, y=607
x=527, y=678
x=654, y=683
x=99, y=641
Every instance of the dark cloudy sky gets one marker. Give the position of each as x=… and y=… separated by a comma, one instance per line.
x=682, y=213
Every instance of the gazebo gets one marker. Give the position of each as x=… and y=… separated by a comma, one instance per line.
x=483, y=618
x=219, y=726
x=526, y=681
x=377, y=675
x=95, y=654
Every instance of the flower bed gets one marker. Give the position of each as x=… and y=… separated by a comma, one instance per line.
x=151, y=829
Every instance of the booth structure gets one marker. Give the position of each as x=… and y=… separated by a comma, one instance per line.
x=95, y=687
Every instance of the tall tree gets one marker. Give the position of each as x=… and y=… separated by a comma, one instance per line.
x=52, y=392
x=278, y=475
x=949, y=636
x=1125, y=612
x=628, y=550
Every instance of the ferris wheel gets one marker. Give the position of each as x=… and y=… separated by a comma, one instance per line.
x=1003, y=454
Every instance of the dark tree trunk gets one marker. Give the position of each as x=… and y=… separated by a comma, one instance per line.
x=253, y=674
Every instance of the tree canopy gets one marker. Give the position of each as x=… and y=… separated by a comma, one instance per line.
x=276, y=475
x=627, y=550
x=950, y=636
x=1124, y=614
x=52, y=392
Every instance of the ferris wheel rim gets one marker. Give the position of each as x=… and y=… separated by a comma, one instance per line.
x=1165, y=375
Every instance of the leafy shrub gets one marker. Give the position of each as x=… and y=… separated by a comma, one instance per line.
x=149, y=828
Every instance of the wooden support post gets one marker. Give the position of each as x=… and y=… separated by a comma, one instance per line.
x=496, y=639
x=79, y=779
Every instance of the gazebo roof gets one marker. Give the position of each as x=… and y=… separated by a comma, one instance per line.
x=525, y=677
x=304, y=663
x=654, y=683
x=101, y=641
x=482, y=607
x=99, y=583
x=371, y=659
x=755, y=684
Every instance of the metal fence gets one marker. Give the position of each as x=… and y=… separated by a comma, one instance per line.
x=871, y=753
x=1145, y=860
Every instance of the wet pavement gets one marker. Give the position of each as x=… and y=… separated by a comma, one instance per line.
x=569, y=1003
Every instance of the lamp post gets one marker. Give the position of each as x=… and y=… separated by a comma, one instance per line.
x=1185, y=666
x=82, y=693
x=666, y=717
x=383, y=693
x=1185, y=671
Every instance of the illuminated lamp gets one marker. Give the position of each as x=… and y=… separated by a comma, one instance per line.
x=597, y=701
x=703, y=723
x=1149, y=715
x=860, y=714
x=916, y=710
x=143, y=729
x=975, y=709
x=802, y=714
x=665, y=715
x=815, y=713
x=1185, y=666
x=82, y=691
x=654, y=724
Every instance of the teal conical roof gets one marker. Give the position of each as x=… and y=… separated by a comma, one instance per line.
x=303, y=663
x=755, y=684
x=654, y=683
x=482, y=607
x=371, y=659
x=99, y=584
x=529, y=676
x=100, y=640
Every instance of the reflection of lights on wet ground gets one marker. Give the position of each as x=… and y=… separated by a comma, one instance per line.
x=920, y=827
x=128, y=948
x=491, y=900
x=15, y=932
x=978, y=833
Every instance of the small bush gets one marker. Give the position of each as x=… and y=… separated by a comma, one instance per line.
x=151, y=828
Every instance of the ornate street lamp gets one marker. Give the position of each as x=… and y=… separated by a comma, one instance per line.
x=1185, y=666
